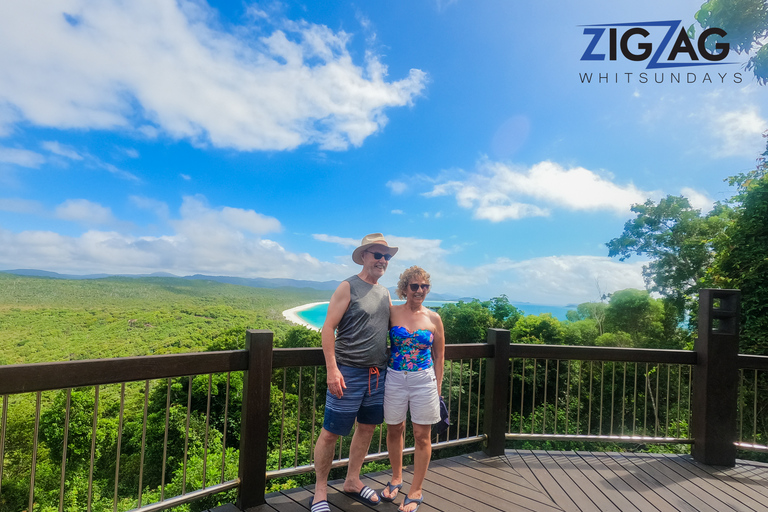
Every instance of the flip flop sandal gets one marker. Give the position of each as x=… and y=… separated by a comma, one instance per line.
x=418, y=501
x=391, y=488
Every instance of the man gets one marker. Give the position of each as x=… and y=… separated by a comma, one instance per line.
x=355, y=347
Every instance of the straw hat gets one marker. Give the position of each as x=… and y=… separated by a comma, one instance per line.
x=369, y=241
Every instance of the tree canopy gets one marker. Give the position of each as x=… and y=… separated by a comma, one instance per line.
x=725, y=248
x=746, y=25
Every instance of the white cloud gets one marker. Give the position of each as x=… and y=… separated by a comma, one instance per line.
x=397, y=187
x=417, y=250
x=344, y=242
x=167, y=67
x=220, y=241
x=698, y=199
x=22, y=157
x=86, y=160
x=738, y=132
x=566, y=279
x=497, y=191
x=397, y=212
x=84, y=211
x=60, y=149
x=199, y=221
x=556, y=280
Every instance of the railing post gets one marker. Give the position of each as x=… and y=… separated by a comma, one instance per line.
x=496, y=393
x=716, y=378
x=254, y=426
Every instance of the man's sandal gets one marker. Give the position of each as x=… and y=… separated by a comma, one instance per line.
x=320, y=506
x=364, y=496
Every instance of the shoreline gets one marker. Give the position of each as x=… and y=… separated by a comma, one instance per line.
x=291, y=316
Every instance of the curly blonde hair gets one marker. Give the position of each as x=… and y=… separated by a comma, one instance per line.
x=406, y=277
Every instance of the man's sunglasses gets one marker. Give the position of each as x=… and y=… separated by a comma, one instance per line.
x=415, y=287
x=378, y=255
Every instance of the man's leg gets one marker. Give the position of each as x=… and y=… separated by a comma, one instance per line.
x=324, y=450
x=361, y=441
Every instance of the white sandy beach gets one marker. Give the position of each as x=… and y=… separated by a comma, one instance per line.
x=291, y=316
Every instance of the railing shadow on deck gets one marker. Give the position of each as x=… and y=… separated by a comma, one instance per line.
x=496, y=392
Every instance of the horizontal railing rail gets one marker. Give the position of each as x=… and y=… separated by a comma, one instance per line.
x=607, y=354
x=27, y=378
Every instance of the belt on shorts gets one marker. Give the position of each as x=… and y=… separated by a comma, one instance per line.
x=373, y=371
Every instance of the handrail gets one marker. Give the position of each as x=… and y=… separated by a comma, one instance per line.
x=30, y=378
x=751, y=362
x=612, y=354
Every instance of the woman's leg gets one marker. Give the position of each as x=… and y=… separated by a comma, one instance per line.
x=395, y=449
x=422, y=436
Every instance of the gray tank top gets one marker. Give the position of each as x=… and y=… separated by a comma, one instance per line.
x=361, y=336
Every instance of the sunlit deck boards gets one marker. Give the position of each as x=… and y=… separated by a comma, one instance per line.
x=582, y=481
x=564, y=481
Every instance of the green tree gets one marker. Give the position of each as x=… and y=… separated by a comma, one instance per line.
x=504, y=313
x=615, y=339
x=746, y=25
x=541, y=329
x=679, y=242
x=466, y=322
x=581, y=332
x=742, y=260
x=594, y=311
x=300, y=336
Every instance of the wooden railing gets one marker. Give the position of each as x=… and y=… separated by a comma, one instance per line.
x=709, y=376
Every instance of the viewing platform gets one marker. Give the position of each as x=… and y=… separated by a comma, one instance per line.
x=244, y=422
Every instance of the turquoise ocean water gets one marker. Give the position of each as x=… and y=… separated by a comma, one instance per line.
x=316, y=315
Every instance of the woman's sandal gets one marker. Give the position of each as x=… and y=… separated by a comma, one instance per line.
x=391, y=488
x=418, y=501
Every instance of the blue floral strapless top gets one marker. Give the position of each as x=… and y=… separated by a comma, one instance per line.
x=411, y=351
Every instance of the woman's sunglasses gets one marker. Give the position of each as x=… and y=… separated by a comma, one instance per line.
x=415, y=287
x=378, y=255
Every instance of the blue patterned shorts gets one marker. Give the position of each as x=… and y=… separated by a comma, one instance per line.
x=357, y=402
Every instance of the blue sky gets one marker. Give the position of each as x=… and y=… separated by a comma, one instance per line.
x=264, y=139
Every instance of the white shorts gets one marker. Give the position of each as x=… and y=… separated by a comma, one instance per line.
x=416, y=391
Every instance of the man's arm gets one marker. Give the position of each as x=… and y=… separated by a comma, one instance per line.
x=336, y=309
x=438, y=350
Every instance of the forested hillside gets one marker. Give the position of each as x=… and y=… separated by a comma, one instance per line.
x=44, y=320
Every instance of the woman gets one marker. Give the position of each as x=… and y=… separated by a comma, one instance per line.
x=414, y=381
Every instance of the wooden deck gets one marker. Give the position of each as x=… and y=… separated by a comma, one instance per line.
x=563, y=481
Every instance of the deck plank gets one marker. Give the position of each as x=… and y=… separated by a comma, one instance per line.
x=576, y=494
x=497, y=472
x=709, y=488
x=500, y=493
x=570, y=463
x=554, y=481
x=656, y=482
x=548, y=483
x=636, y=489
